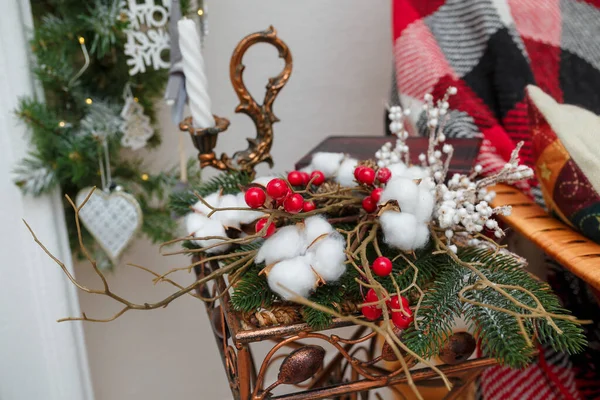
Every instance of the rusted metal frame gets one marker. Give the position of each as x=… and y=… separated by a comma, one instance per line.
x=333, y=341
x=337, y=358
x=364, y=385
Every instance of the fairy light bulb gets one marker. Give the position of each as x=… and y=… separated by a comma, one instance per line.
x=81, y=40
x=88, y=101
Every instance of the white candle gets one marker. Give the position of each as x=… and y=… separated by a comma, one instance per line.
x=196, y=84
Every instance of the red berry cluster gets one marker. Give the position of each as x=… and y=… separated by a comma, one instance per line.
x=367, y=176
x=282, y=195
x=399, y=318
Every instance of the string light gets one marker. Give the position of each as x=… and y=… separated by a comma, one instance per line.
x=81, y=40
x=62, y=124
x=145, y=177
x=200, y=12
x=88, y=101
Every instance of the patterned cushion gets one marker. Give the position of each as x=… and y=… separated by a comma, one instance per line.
x=566, y=153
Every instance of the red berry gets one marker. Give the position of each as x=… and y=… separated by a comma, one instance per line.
x=394, y=303
x=305, y=178
x=371, y=313
x=376, y=194
x=308, y=206
x=369, y=204
x=317, y=178
x=293, y=203
x=295, y=178
x=260, y=224
x=402, y=321
x=357, y=171
x=384, y=175
x=382, y=266
x=371, y=297
x=366, y=176
x=277, y=188
x=255, y=197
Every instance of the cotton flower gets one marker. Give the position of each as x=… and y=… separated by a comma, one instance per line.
x=403, y=231
x=230, y=218
x=313, y=243
x=314, y=227
x=329, y=257
x=327, y=163
x=345, y=173
x=247, y=216
x=425, y=202
x=213, y=199
x=404, y=191
x=294, y=274
x=286, y=243
x=201, y=226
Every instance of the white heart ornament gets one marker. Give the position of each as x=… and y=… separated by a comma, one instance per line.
x=111, y=218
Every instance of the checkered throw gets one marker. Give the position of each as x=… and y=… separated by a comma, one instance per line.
x=491, y=50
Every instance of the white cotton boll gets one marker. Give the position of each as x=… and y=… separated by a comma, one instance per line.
x=399, y=229
x=214, y=199
x=329, y=257
x=425, y=203
x=327, y=163
x=421, y=236
x=201, y=226
x=295, y=274
x=286, y=243
x=404, y=191
x=416, y=172
x=230, y=218
x=345, y=175
x=397, y=169
x=314, y=227
x=263, y=180
x=246, y=216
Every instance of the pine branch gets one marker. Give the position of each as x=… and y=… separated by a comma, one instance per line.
x=439, y=308
x=330, y=296
x=228, y=183
x=498, y=330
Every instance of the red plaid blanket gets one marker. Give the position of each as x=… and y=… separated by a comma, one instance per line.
x=491, y=50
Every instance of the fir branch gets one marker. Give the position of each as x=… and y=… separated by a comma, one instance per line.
x=499, y=330
x=34, y=176
x=228, y=183
x=251, y=292
x=330, y=296
x=439, y=308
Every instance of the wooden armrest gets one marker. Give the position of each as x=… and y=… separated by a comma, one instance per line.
x=572, y=250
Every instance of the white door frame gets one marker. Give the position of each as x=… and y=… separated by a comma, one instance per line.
x=39, y=358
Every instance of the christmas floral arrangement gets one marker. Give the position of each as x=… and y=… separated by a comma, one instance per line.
x=404, y=244
x=404, y=250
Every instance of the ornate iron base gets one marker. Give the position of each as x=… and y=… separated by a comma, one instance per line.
x=351, y=369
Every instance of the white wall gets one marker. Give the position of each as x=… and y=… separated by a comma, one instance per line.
x=39, y=359
x=342, y=67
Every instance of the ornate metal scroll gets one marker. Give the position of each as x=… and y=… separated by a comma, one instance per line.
x=259, y=148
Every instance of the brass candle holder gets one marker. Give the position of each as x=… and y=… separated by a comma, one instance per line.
x=258, y=151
